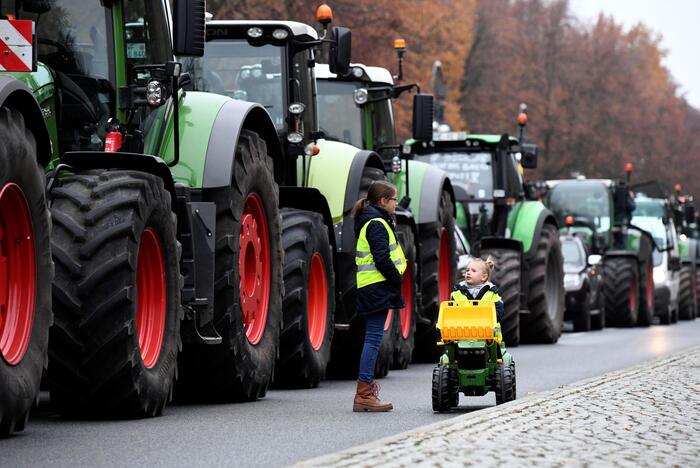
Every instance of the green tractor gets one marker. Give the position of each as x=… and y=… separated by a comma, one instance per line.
x=683, y=209
x=602, y=211
x=357, y=108
x=165, y=208
x=499, y=220
x=273, y=63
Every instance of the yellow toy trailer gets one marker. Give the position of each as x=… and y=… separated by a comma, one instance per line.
x=475, y=360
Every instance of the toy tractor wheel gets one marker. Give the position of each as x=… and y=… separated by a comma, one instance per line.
x=407, y=316
x=546, y=292
x=437, y=265
x=686, y=300
x=646, y=292
x=445, y=389
x=386, y=349
x=26, y=273
x=621, y=291
x=505, y=384
x=116, y=295
x=247, y=284
x=512, y=373
x=507, y=277
x=309, y=300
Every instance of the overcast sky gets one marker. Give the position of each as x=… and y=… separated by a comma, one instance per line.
x=678, y=21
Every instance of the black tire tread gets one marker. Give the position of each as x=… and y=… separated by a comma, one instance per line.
x=506, y=276
x=620, y=273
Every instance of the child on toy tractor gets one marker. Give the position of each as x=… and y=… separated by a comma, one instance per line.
x=475, y=360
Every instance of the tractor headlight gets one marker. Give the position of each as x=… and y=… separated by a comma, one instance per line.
x=280, y=34
x=255, y=32
x=296, y=108
x=357, y=72
x=360, y=96
x=295, y=138
x=155, y=94
x=659, y=275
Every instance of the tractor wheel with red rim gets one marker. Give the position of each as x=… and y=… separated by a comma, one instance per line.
x=247, y=285
x=385, y=357
x=116, y=295
x=437, y=265
x=621, y=291
x=646, y=292
x=406, y=324
x=309, y=300
x=26, y=272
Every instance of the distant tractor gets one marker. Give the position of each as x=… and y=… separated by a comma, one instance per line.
x=602, y=211
x=684, y=216
x=357, y=108
x=499, y=220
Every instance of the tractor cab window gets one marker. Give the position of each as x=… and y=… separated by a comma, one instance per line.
x=73, y=42
x=586, y=202
x=234, y=68
x=339, y=118
x=146, y=33
x=382, y=123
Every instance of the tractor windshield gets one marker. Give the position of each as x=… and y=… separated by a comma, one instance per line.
x=649, y=215
x=234, y=68
x=339, y=118
x=473, y=171
x=588, y=202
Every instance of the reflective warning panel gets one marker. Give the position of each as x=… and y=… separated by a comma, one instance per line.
x=17, y=46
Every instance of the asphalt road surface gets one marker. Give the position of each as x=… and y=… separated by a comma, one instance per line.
x=290, y=426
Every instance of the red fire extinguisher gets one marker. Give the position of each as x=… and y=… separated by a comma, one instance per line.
x=113, y=137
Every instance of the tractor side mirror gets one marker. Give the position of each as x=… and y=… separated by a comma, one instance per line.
x=188, y=28
x=423, y=111
x=594, y=259
x=528, y=155
x=340, y=51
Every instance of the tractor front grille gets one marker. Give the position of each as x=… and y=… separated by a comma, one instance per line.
x=471, y=359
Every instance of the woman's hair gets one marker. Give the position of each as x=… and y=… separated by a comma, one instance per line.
x=377, y=190
x=487, y=265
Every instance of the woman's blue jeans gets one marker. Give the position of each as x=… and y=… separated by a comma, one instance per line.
x=374, y=331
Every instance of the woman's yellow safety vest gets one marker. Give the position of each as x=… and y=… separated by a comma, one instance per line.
x=367, y=272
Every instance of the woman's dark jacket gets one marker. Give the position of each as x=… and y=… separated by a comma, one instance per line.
x=384, y=294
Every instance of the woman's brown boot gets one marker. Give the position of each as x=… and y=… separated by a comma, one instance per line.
x=367, y=399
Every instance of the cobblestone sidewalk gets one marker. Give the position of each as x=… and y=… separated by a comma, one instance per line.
x=647, y=415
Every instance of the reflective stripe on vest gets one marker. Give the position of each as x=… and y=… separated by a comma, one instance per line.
x=459, y=296
x=367, y=272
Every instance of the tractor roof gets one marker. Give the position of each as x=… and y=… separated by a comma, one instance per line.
x=555, y=182
x=459, y=140
x=300, y=31
x=369, y=74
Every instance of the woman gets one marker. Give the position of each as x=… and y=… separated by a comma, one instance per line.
x=380, y=264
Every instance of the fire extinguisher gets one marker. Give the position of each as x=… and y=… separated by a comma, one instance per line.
x=113, y=137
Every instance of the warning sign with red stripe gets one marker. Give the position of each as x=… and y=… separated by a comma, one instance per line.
x=16, y=45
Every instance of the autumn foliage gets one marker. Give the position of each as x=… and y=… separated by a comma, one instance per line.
x=598, y=95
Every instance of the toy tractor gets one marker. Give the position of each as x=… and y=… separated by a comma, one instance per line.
x=475, y=360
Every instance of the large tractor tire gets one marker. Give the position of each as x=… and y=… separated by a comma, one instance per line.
x=686, y=298
x=309, y=300
x=116, y=295
x=26, y=272
x=405, y=339
x=506, y=276
x=248, y=285
x=646, y=292
x=621, y=291
x=386, y=350
x=545, y=298
x=437, y=265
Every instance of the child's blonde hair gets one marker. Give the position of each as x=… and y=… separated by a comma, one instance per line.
x=487, y=265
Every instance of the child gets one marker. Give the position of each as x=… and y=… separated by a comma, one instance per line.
x=476, y=285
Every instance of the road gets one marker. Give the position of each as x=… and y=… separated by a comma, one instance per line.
x=289, y=426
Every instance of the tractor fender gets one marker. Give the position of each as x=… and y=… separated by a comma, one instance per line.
x=85, y=160
x=404, y=216
x=528, y=221
x=488, y=242
x=233, y=116
x=362, y=159
x=435, y=181
x=309, y=199
x=15, y=94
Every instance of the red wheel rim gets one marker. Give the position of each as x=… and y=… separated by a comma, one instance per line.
x=389, y=316
x=254, y=268
x=17, y=274
x=650, y=285
x=633, y=295
x=150, y=291
x=407, y=310
x=317, y=301
x=444, y=280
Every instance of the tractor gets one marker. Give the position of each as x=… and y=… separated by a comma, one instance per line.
x=602, y=211
x=498, y=219
x=683, y=212
x=357, y=108
x=165, y=208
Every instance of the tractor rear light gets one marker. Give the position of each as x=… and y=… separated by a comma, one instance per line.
x=280, y=34
x=255, y=32
x=295, y=138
